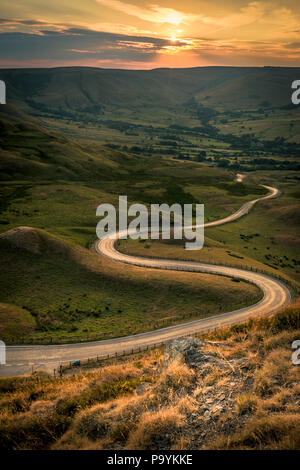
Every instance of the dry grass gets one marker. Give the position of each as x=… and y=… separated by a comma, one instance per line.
x=214, y=376
x=178, y=376
x=275, y=373
x=245, y=395
x=276, y=432
x=246, y=403
x=156, y=430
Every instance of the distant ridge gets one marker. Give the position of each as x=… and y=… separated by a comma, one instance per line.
x=85, y=87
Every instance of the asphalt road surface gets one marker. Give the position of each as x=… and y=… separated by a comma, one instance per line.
x=24, y=359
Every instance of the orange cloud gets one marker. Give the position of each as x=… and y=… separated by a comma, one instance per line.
x=153, y=14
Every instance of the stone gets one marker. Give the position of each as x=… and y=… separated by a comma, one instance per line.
x=182, y=349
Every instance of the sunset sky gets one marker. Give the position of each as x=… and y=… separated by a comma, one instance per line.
x=142, y=34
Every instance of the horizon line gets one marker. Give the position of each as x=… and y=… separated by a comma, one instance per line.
x=155, y=68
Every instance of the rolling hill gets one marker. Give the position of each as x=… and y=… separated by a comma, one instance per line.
x=92, y=89
x=30, y=151
x=59, y=290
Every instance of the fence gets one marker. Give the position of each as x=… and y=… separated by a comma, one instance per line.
x=294, y=288
x=292, y=285
x=100, y=359
x=101, y=337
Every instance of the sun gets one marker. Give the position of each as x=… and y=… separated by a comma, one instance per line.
x=174, y=36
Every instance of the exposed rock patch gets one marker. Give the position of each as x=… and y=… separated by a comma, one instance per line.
x=192, y=351
x=182, y=349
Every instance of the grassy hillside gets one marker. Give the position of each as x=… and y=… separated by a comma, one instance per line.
x=64, y=292
x=84, y=87
x=250, y=88
x=29, y=152
x=218, y=110
x=243, y=393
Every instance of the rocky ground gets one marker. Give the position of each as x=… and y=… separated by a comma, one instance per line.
x=216, y=402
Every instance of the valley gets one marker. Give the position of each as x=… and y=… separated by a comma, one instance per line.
x=61, y=159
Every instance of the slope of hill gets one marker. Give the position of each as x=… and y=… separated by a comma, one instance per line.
x=258, y=87
x=237, y=390
x=83, y=87
x=68, y=293
x=28, y=151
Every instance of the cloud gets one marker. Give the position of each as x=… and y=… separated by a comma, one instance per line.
x=75, y=44
x=32, y=25
x=153, y=14
x=204, y=39
x=25, y=22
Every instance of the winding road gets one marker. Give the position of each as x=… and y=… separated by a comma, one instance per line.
x=24, y=359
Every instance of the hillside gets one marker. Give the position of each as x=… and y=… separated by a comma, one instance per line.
x=235, y=117
x=238, y=389
x=230, y=117
x=62, y=292
x=29, y=151
x=83, y=87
